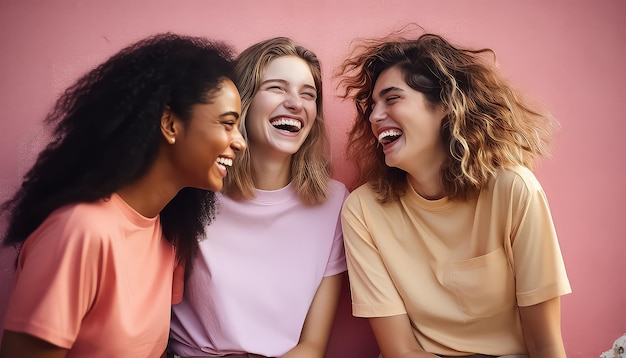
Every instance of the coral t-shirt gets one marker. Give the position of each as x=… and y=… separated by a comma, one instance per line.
x=97, y=279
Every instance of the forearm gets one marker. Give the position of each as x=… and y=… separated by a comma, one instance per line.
x=317, y=325
x=306, y=350
x=542, y=329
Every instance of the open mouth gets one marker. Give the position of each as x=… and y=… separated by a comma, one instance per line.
x=389, y=136
x=287, y=124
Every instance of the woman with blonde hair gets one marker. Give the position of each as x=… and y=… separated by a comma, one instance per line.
x=268, y=277
x=450, y=243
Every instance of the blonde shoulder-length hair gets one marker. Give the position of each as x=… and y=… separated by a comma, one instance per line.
x=310, y=167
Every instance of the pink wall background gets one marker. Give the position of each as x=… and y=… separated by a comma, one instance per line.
x=568, y=55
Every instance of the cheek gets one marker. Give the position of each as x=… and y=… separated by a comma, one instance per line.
x=216, y=143
x=311, y=110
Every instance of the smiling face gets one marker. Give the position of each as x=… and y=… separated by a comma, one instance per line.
x=407, y=126
x=283, y=109
x=206, y=145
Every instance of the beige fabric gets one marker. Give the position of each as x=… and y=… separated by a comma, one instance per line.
x=458, y=269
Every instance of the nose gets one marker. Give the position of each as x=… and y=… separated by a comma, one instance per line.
x=377, y=115
x=293, y=102
x=238, y=142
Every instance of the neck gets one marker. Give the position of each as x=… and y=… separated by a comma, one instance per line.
x=271, y=173
x=149, y=194
x=425, y=178
x=427, y=188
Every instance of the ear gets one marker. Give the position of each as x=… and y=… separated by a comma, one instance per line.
x=168, y=126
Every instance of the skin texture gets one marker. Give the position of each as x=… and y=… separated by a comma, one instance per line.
x=190, y=160
x=208, y=136
x=542, y=329
x=395, y=337
x=419, y=150
x=287, y=91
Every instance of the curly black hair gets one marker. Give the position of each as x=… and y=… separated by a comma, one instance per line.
x=106, y=132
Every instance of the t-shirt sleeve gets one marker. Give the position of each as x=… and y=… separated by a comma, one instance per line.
x=178, y=283
x=372, y=289
x=539, y=268
x=337, y=259
x=56, y=282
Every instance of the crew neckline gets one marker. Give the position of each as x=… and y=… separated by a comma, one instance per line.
x=130, y=213
x=278, y=196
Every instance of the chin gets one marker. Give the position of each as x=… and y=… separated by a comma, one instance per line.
x=391, y=163
x=214, y=186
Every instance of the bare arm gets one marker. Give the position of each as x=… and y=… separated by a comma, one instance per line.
x=22, y=345
x=542, y=329
x=319, y=320
x=395, y=337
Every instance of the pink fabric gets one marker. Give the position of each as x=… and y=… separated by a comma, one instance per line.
x=259, y=268
x=96, y=279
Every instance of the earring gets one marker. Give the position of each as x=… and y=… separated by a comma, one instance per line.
x=172, y=140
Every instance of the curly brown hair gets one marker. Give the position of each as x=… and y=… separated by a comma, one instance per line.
x=489, y=124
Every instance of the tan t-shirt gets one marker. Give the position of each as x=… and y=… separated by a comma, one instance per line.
x=459, y=269
x=97, y=279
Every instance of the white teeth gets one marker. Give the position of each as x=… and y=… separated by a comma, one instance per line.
x=389, y=133
x=287, y=122
x=225, y=161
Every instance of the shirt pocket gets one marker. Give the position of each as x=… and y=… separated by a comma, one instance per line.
x=484, y=285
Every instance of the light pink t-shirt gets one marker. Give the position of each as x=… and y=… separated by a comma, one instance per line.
x=96, y=278
x=259, y=268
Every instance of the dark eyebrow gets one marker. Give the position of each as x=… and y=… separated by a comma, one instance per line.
x=387, y=90
x=234, y=114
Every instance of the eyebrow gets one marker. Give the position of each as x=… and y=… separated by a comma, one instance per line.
x=387, y=90
x=285, y=82
x=231, y=113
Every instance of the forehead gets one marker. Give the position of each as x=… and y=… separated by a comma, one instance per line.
x=389, y=77
x=289, y=68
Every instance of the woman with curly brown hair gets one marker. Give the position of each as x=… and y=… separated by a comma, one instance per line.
x=450, y=243
x=111, y=211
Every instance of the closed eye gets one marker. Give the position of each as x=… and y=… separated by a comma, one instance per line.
x=391, y=98
x=310, y=95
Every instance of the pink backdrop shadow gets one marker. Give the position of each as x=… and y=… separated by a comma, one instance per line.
x=568, y=55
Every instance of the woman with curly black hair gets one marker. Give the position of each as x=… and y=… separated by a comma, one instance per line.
x=109, y=216
x=450, y=244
